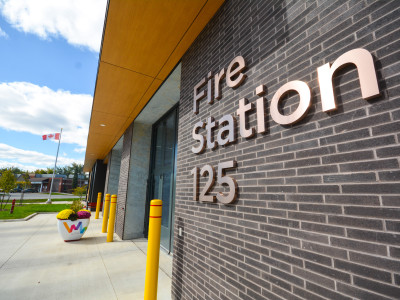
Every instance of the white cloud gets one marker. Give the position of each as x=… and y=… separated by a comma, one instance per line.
x=26, y=107
x=29, y=168
x=80, y=150
x=79, y=22
x=3, y=33
x=30, y=160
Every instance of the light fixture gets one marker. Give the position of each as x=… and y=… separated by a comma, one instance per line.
x=102, y=125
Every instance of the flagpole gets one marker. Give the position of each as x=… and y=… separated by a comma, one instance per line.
x=54, y=171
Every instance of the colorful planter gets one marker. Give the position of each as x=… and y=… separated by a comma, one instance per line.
x=72, y=230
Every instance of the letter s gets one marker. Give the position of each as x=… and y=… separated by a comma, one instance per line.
x=198, y=137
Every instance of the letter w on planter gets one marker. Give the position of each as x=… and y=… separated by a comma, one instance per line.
x=72, y=230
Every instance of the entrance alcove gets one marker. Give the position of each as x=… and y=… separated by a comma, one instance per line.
x=114, y=166
x=141, y=181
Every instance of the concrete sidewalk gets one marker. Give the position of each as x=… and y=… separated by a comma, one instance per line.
x=35, y=263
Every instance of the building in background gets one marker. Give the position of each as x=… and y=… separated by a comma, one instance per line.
x=270, y=130
x=62, y=183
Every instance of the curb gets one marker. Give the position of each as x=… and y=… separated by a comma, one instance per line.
x=26, y=218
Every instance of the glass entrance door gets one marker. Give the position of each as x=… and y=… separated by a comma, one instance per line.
x=162, y=172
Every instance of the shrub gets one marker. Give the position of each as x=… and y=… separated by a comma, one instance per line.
x=76, y=205
x=80, y=191
x=73, y=217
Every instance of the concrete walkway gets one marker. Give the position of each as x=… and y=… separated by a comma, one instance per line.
x=35, y=263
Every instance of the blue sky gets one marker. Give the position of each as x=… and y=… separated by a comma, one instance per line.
x=49, y=53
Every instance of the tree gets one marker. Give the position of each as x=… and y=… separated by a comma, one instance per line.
x=75, y=180
x=40, y=171
x=13, y=170
x=67, y=170
x=27, y=182
x=7, y=183
x=78, y=169
x=16, y=170
x=80, y=191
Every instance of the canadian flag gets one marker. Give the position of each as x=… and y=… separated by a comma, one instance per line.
x=55, y=136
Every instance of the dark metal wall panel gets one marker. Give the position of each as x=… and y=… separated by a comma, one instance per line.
x=123, y=182
x=97, y=181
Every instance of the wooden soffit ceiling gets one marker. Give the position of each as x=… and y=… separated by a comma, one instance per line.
x=143, y=41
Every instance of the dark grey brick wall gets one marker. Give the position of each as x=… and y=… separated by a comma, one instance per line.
x=123, y=182
x=317, y=215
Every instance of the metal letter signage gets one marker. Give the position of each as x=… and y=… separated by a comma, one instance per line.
x=305, y=101
x=226, y=135
x=366, y=73
x=239, y=62
x=200, y=148
x=234, y=77
x=209, y=171
x=244, y=107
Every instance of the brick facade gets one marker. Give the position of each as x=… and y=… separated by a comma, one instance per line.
x=317, y=214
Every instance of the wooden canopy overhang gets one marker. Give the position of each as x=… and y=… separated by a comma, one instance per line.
x=142, y=43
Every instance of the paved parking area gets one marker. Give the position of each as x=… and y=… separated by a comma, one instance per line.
x=35, y=263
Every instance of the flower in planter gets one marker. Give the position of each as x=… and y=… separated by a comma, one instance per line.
x=72, y=225
x=69, y=214
x=84, y=214
x=64, y=214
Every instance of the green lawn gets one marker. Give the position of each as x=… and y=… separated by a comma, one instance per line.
x=25, y=210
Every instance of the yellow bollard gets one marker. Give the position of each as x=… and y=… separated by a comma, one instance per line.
x=111, y=219
x=106, y=210
x=98, y=205
x=153, y=250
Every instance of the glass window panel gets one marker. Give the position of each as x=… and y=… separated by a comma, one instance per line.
x=169, y=142
x=166, y=194
x=158, y=149
x=156, y=194
x=163, y=155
